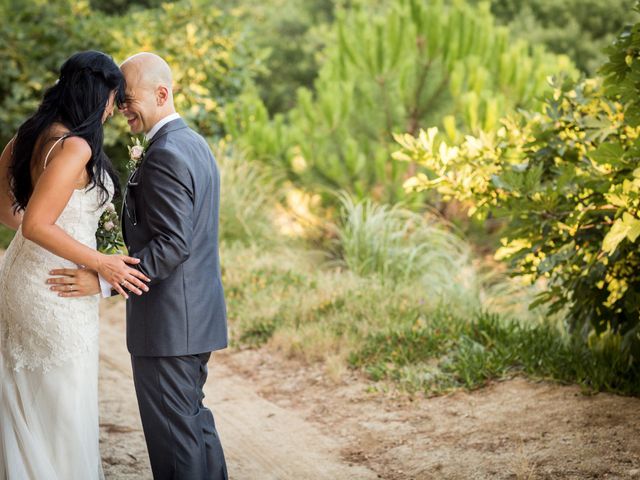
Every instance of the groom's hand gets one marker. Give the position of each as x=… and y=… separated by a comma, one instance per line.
x=70, y=282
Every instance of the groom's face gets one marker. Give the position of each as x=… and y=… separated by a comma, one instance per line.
x=140, y=107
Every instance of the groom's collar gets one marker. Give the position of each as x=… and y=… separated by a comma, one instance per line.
x=171, y=126
x=159, y=124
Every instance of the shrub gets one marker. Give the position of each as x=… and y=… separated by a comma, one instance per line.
x=567, y=181
x=401, y=247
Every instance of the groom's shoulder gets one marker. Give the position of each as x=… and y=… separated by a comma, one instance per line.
x=196, y=137
x=183, y=145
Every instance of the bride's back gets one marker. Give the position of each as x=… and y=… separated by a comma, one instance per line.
x=43, y=329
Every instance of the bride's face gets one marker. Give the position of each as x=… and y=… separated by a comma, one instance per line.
x=108, y=111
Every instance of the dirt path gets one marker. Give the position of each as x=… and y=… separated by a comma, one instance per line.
x=281, y=420
x=514, y=429
x=261, y=439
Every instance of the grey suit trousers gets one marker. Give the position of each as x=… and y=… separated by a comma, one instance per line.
x=180, y=432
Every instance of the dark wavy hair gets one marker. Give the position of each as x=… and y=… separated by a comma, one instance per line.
x=77, y=101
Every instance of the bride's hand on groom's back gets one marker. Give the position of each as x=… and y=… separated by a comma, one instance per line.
x=115, y=269
x=74, y=282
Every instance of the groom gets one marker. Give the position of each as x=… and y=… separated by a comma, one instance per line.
x=170, y=222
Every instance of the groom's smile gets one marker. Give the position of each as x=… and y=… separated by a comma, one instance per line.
x=148, y=89
x=131, y=120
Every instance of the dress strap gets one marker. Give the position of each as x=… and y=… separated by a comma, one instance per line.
x=46, y=159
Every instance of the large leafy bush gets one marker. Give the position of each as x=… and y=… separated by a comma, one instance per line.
x=567, y=181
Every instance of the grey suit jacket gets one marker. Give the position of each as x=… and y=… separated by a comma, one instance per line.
x=170, y=222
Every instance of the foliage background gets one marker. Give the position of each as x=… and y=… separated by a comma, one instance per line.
x=346, y=234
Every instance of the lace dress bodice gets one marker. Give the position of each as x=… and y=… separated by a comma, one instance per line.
x=38, y=328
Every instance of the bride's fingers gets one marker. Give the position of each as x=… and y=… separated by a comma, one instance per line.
x=63, y=287
x=120, y=290
x=132, y=288
x=68, y=272
x=58, y=280
x=76, y=293
x=139, y=274
x=133, y=281
x=130, y=260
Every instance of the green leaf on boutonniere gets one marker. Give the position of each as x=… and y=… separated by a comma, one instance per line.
x=137, y=150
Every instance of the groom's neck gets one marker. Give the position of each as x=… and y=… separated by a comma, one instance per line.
x=165, y=112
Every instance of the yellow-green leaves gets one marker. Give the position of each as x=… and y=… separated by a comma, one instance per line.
x=567, y=184
x=626, y=227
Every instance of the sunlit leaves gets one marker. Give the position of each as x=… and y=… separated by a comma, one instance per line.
x=626, y=227
x=567, y=184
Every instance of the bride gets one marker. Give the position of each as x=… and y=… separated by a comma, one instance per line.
x=55, y=182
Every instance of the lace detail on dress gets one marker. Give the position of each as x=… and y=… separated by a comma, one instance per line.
x=39, y=329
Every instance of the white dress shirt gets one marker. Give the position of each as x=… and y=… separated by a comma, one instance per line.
x=105, y=287
x=161, y=123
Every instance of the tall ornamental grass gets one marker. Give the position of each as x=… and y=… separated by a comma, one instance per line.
x=404, y=248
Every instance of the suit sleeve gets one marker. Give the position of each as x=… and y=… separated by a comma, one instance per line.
x=167, y=190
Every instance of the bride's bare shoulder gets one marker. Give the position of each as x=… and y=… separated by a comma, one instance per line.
x=76, y=147
x=73, y=145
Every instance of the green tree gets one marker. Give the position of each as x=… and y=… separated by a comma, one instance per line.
x=205, y=46
x=35, y=38
x=212, y=61
x=390, y=69
x=294, y=33
x=580, y=29
x=567, y=182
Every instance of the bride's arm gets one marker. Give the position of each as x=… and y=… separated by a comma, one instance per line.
x=49, y=198
x=7, y=215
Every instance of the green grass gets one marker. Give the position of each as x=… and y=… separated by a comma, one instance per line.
x=423, y=250
x=402, y=299
x=246, y=199
x=288, y=300
x=442, y=352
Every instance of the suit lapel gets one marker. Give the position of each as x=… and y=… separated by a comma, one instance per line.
x=123, y=228
x=172, y=126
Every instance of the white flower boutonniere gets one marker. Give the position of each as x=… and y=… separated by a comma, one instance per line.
x=136, y=152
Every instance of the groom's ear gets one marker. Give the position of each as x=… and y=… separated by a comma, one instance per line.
x=162, y=95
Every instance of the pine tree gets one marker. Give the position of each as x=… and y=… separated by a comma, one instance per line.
x=395, y=69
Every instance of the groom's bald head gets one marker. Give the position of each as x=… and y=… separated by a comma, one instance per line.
x=151, y=69
x=149, y=90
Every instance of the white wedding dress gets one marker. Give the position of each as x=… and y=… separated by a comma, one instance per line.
x=49, y=427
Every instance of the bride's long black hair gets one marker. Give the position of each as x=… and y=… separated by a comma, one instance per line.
x=78, y=101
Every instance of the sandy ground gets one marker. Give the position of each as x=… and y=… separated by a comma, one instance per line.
x=279, y=419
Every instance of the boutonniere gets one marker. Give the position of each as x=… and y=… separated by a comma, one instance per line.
x=136, y=152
